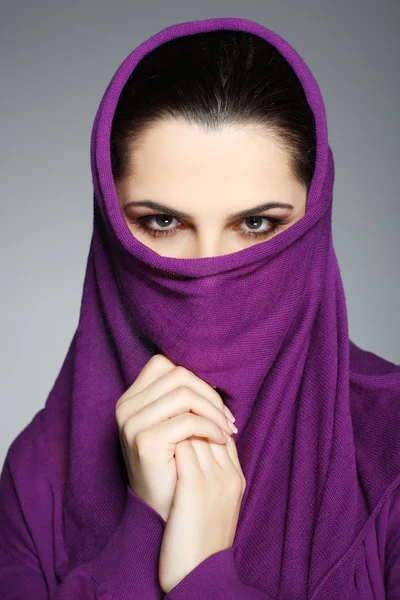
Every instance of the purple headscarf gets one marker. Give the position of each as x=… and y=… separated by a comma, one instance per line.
x=268, y=326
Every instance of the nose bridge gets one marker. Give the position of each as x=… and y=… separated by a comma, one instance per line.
x=212, y=239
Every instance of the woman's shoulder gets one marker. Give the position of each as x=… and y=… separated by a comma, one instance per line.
x=375, y=414
x=27, y=459
x=374, y=387
x=26, y=472
x=29, y=442
x=26, y=495
x=368, y=363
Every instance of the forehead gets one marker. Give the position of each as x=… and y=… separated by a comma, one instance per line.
x=187, y=150
x=208, y=172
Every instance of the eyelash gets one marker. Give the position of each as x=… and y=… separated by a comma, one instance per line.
x=276, y=223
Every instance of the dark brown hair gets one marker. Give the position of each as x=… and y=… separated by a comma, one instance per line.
x=213, y=79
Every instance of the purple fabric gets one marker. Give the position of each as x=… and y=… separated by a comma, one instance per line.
x=318, y=417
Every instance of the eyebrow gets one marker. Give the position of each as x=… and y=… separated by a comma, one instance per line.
x=179, y=214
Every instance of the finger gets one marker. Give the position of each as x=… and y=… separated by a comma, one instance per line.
x=186, y=460
x=205, y=456
x=228, y=455
x=178, y=377
x=157, y=366
x=168, y=434
x=173, y=403
x=233, y=453
x=222, y=455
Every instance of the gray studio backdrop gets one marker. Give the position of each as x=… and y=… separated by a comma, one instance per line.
x=56, y=61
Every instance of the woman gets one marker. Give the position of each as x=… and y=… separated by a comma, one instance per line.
x=122, y=486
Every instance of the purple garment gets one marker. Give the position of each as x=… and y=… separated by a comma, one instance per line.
x=318, y=417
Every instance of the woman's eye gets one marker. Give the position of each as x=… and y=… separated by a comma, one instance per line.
x=257, y=226
x=163, y=221
x=267, y=225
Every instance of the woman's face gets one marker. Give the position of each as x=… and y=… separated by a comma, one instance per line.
x=202, y=182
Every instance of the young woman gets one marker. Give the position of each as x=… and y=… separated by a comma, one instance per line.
x=212, y=287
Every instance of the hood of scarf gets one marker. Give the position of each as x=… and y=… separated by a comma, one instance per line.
x=268, y=327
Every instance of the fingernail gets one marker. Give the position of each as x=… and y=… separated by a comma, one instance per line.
x=232, y=425
x=229, y=414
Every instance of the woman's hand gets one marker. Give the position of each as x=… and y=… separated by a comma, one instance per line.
x=205, y=508
x=165, y=405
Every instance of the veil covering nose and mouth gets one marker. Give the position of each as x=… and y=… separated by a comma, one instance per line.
x=317, y=416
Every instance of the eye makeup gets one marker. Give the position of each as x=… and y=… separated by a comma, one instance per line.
x=276, y=224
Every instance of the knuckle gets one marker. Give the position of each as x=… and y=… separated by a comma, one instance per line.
x=186, y=421
x=119, y=403
x=157, y=359
x=180, y=369
x=118, y=414
x=182, y=446
x=141, y=443
x=186, y=418
x=127, y=431
x=182, y=373
x=183, y=390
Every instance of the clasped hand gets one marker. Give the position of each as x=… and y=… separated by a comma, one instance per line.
x=205, y=507
x=171, y=425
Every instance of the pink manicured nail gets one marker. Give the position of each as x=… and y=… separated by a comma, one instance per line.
x=229, y=414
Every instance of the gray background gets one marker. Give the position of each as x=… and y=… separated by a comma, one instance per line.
x=56, y=61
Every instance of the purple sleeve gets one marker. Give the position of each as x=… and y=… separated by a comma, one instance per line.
x=392, y=563
x=126, y=568
x=215, y=577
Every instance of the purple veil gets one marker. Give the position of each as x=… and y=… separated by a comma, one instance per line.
x=318, y=422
